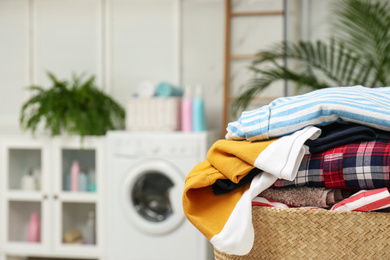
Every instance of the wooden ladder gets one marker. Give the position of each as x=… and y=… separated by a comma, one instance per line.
x=229, y=57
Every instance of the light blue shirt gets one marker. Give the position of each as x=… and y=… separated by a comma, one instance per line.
x=285, y=115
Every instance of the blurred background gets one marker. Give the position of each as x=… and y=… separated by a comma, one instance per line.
x=125, y=42
x=128, y=46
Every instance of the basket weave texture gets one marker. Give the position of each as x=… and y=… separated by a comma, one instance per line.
x=291, y=233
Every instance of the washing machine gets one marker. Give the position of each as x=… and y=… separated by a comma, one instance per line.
x=145, y=181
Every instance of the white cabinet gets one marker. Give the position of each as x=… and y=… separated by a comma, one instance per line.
x=36, y=186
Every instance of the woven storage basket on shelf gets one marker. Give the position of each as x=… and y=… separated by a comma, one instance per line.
x=291, y=233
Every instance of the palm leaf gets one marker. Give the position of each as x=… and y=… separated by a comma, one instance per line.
x=344, y=68
x=358, y=54
x=364, y=27
x=269, y=76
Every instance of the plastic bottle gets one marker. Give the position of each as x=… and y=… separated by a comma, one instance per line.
x=91, y=181
x=89, y=235
x=33, y=231
x=29, y=182
x=186, y=110
x=83, y=181
x=74, y=176
x=198, y=111
x=66, y=180
x=36, y=172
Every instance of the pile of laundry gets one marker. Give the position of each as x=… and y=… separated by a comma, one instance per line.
x=327, y=149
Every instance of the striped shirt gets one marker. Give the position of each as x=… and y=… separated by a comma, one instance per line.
x=285, y=115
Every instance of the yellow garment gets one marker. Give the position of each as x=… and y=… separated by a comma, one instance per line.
x=225, y=160
x=226, y=220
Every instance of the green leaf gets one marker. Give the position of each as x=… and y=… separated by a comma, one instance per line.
x=357, y=54
x=77, y=107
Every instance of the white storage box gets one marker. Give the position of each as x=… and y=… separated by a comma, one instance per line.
x=153, y=114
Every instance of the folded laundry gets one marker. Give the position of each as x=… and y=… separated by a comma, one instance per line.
x=354, y=166
x=304, y=196
x=332, y=136
x=273, y=151
x=223, y=186
x=338, y=134
x=364, y=200
x=285, y=115
x=226, y=219
x=146, y=89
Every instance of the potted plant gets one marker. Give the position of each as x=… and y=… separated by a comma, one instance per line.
x=357, y=54
x=75, y=107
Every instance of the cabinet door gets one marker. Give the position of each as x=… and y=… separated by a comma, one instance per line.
x=77, y=169
x=25, y=194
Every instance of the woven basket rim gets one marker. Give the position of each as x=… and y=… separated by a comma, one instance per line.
x=307, y=233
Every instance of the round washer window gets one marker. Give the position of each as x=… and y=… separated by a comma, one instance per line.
x=150, y=196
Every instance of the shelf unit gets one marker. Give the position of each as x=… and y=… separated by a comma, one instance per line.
x=35, y=181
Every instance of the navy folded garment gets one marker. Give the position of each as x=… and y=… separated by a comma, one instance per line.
x=223, y=186
x=337, y=134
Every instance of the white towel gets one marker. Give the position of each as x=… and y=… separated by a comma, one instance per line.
x=146, y=89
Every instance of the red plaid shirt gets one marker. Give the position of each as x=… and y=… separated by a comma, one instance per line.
x=354, y=166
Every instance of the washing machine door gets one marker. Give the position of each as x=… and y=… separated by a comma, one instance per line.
x=151, y=196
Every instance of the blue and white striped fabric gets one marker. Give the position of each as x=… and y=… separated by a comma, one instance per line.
x=357, y=104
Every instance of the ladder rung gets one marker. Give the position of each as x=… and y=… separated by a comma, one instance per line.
x=261, y=13
x=244, y=56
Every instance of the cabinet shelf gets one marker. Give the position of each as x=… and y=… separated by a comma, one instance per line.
x=35, y=189
x=15, y=254
x=24, y=195
x=78, y=197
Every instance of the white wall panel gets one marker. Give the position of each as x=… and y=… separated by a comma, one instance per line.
x=203, y=53
x=122, y=42
x=142, y=40
x=67, y=39
x=14, y=61
x=318, y=27
x=251, y=34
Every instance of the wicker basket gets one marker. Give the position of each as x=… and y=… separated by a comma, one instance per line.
x=152, y=114
x=292, y=233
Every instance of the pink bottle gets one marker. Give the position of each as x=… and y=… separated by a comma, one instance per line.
x=33, y=232
x=186, y=110
x=74, y=176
